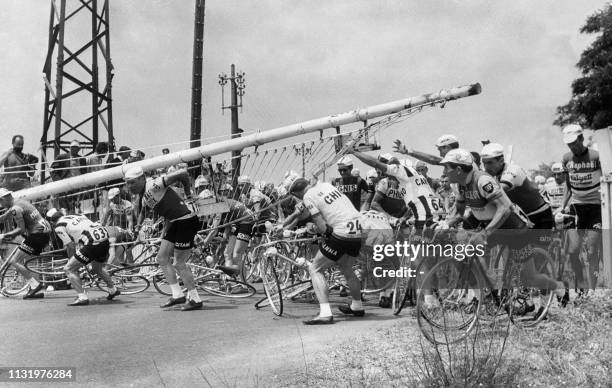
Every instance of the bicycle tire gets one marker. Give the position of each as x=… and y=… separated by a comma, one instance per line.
x=271, y=285
x=289, y=293
x=541, y=298
x=449, y=320
x=11, y=281
x=225, y=287
x=133, y=279
x=405, y=288
x=49, y=267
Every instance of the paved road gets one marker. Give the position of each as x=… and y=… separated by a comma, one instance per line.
x=132, y=342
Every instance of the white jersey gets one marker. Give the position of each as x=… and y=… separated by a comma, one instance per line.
x=555, y=193
x=80, y=229
x=377, y=228
x=418, y=195
x=336, y=209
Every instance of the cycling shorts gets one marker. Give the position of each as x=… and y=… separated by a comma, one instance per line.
x=34, y=243
x=589, y=215
x=334, y=248
x=243, y=232
x=89, y=253
x=181, y=232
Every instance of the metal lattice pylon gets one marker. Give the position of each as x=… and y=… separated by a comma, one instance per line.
x=80, y=100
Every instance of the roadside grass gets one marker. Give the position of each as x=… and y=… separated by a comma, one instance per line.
x=572, y=348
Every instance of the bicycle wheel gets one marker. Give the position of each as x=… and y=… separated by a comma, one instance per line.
x=133, y=279
x=11, y=281
x=451, y=310
x=249, y=272
x=271, y=284
x=50, y=267
x=226, y=287
x=291, y=292
x=529, y=305
x=143, y=253
x=404, y=290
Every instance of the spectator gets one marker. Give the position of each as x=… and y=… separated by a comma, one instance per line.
x=96, y=161
x=422, y=169
x=77, y=162
x=18, y=167
x=135, y=156
x=124, y=153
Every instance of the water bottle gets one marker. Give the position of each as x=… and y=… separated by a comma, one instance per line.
x=302, y=262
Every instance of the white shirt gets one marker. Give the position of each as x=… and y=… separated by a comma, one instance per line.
x=418, y=195
x=336, y=209
x=80, y=229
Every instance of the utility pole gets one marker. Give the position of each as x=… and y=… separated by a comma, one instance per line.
x=196, y=81
x=237, y=91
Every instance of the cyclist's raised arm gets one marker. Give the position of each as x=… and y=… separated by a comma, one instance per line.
x=106, y=217
x=370, y=161
x=425, y=157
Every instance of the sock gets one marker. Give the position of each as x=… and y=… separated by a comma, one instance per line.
x=325, y=310
x=193, y=295
x=356, y=305
x=176, y=291
x=83, y=296
x=34, y=283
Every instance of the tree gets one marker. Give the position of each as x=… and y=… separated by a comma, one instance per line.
x=591, y=102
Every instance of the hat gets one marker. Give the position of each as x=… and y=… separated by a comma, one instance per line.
x=550, y=181
x=355, y=172
x=372, y=174
x=299, y=185
x=290, y=177
x=571, y=133
x=112, y=193
x=54, y=214
x=345, y=161
x=205, y=194
x=133, y=173
x=420, y=163
x=134, y=153
x=557, y=168
x=385, y=157
x=75, y=143
x=492, y=150
x=201, y=180
x=445, y=140
x=458, y=156
x=244, y=179
x=4, y=192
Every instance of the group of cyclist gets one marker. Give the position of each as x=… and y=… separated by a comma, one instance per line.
x=499, y=201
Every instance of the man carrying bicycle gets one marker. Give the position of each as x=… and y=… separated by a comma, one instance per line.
x=33, y=227
x=181, y=226
x=584, y=172
x=86, y=242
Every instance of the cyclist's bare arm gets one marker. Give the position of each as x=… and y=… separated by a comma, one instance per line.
x=427, y=158
x=503, y=209
x=106, y=217
x=370, y=161
x=457, y=215
x=17, y=214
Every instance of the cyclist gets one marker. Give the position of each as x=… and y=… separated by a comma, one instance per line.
x=355, y=188
x=119, y=254
x=444, y=144
x=447, y=194
x=584, y=172
x=336, y=217
x=181, y=225
x=238, y=232
x=521, y=191
x=489, y=204
x=120, y=212
x=86, y=242
x=556, y=189
x=29, y=223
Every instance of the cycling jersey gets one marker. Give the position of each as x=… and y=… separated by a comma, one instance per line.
x=393, y=197
x=335, y=208
x=237, y=211
x=448, y=197
x=34, y=223
x=80, y=229
x=351, y=187
x=377, y=228
x=417, y=195
x=584, y=172
x=120, y=212
x=478, y=194
x=555, y=193
x=521, y=190
x=164, y=200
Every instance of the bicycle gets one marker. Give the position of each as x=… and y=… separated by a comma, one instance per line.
x=462, y=288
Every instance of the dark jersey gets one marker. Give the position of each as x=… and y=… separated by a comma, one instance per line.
x=351, y=187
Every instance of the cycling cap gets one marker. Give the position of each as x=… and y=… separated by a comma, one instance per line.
x=445, y=140
x=492, y=150
x=355, y=172
x=112, y=193
x=133, y=173
x=244, y=179
x=345, y=161
x=539, y=179
x=571, y=133
x=372, y=174
x=458, y=156
x=205, y=194
x=557, y=168
x=299, y=185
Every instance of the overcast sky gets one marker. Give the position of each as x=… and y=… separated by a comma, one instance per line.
x=308, y=59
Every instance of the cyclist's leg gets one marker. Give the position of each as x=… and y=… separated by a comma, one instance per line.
x=346, y=267
x=72, y=271
x=317, y=273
